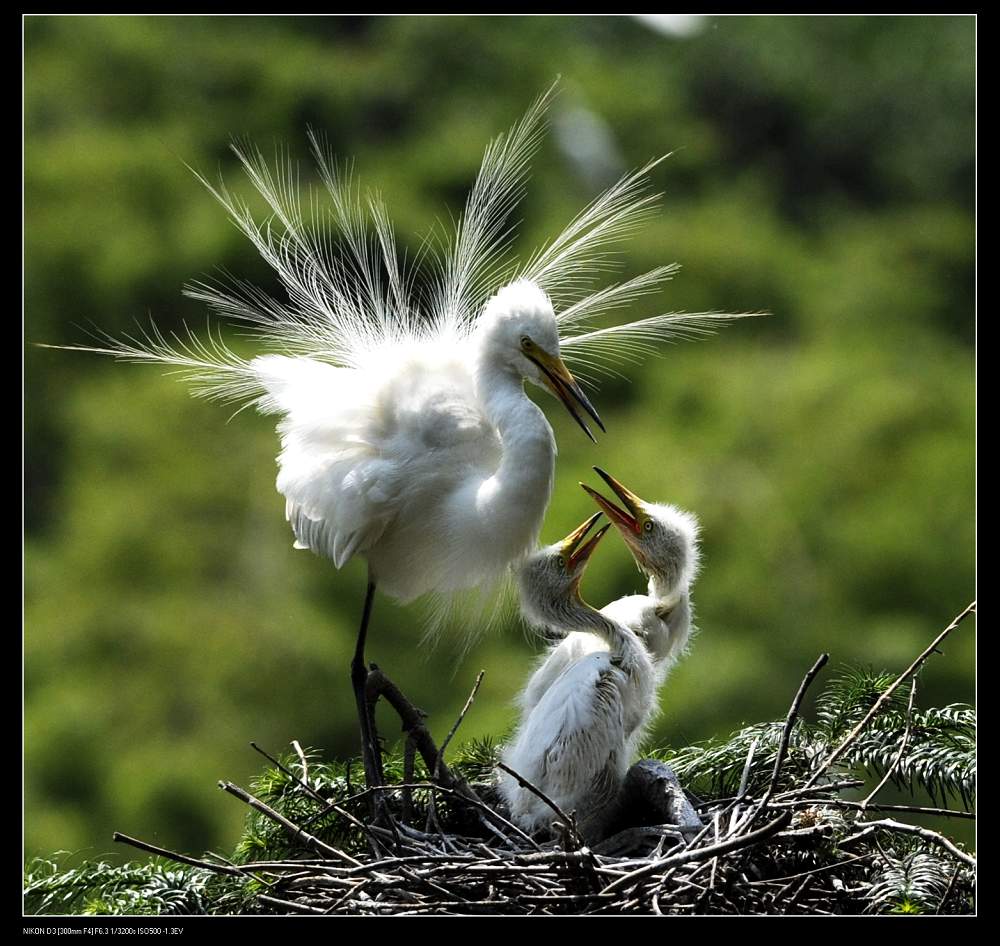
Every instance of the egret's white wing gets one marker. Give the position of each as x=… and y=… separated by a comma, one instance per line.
x=338, y=491
x=365, y=448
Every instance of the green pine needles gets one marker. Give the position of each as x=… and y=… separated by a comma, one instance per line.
x=939, y=757
x=97, y=888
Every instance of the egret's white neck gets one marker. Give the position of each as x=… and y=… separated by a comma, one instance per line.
x=513, y=501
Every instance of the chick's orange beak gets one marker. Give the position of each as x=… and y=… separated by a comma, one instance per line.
x=563, y=385
x=577, y=551
x=627, y=519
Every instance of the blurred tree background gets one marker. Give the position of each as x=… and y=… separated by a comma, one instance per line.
x=823, y=171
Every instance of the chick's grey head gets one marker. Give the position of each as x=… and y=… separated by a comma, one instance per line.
x=549, y=579
x=662, y=538
x=518, y=333
x=669, y=544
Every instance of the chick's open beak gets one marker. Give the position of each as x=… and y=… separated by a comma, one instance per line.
x=576, y=550
x=627, y=519
x=563, y=385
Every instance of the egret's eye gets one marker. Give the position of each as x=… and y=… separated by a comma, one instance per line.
x=526, y=343
x=561, y=562
x=648, y=525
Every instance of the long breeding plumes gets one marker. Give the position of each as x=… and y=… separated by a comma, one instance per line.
x=406, y=435
x=474, y=265
x=210, y=367
x=349, y=294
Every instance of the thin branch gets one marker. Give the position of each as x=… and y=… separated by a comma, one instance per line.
x=288, y=772
x=713, y=850
x=568, y=820
x=379, y=685
x=488, y=812
x=171, y=855
x=299, y=833
x=828, y=787
x=291, y=905
x=458, y=722
x=793, y=899
x=947, y=891
x=786, y=733
x=856, y=805
x=870, y=827
x=902, y=748
x=742, y=790
x=245, y=870
x=884, y=698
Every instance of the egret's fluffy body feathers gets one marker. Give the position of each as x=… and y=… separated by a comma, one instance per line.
x=406, y=435
x=433, y=464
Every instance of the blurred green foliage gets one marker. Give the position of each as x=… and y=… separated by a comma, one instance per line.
x=823, y=173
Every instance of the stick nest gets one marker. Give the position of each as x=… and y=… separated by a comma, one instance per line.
x=779, y=835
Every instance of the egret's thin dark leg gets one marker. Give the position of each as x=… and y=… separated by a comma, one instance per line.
x=359, y=675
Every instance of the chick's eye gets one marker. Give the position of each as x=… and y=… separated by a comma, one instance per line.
x=526, y=343
x=561, y=562
x=648, y=526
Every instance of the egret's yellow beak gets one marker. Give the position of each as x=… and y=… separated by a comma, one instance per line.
x=563, y=385
x=626, y=520
x=577, y=553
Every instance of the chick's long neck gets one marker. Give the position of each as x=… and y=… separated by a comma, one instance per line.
x=623, y=644
x=667, y=636
x=662, y=591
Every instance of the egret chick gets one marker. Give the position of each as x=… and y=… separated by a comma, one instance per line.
x=574, y=744
x=663, y=540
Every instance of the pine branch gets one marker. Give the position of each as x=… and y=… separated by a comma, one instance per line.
x=887, y=695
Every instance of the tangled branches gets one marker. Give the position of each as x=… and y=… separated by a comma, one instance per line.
x=778, y=834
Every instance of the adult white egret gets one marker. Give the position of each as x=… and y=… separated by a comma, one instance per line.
x=575, y=744
x=663, y=540
x=406, y=434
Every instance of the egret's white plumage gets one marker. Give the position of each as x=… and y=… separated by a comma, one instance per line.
x=434, y=464
x=663, y=540
x=406, y=435
x=575, y=744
